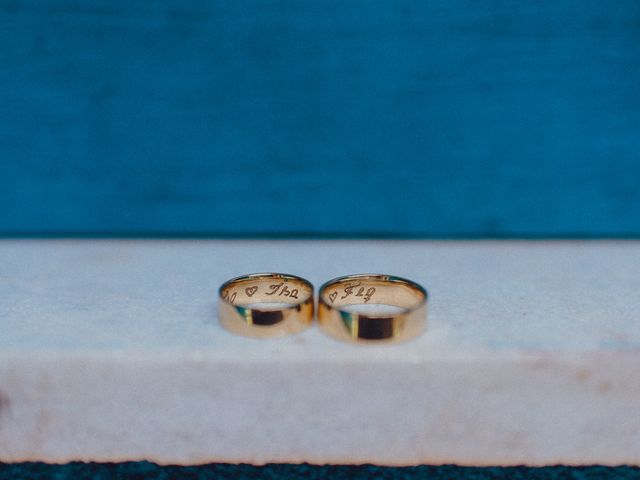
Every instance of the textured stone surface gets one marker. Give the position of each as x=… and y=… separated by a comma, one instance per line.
x=111, y=351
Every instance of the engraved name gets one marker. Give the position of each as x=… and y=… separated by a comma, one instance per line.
x=356, y=290
x=281, y=290
x=229, y=296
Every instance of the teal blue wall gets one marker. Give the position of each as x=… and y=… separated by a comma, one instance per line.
x=349, y=118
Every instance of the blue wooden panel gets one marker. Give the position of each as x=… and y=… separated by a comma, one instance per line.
x=404, y=118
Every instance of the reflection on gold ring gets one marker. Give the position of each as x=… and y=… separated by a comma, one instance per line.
x=266, y=304
x=372, y=308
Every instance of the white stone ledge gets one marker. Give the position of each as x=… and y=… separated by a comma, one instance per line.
x=111, y=351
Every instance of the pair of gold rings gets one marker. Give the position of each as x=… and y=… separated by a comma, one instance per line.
x=354, y=308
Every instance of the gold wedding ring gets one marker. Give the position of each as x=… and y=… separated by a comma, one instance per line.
x=266, y=304
x=366, y=308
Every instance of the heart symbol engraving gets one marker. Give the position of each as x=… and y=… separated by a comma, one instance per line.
x=333, y=296
x=250, y=291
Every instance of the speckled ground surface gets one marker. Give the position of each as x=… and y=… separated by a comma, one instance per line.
x=148, y=471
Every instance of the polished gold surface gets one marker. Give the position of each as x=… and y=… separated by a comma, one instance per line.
x=266, y=305
x=372, y=308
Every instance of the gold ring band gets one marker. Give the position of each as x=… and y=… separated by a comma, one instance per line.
x=365, y=308
x=266, y=304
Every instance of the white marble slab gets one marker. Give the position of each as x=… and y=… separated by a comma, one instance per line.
x=111, y=351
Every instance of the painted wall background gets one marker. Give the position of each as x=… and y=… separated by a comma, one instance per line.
x=404, y=118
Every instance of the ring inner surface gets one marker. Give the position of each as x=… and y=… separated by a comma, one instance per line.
x=267, y=291
x=372, y=291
